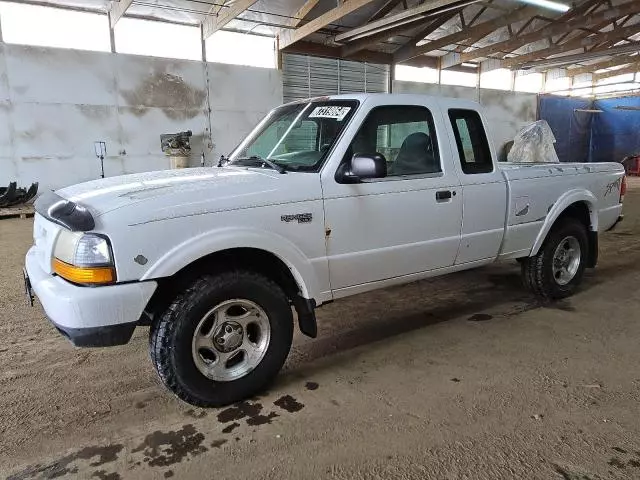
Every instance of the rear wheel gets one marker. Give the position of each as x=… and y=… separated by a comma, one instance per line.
x=557, y=270
x=223, y=339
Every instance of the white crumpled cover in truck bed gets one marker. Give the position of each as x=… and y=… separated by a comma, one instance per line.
x=534, y=144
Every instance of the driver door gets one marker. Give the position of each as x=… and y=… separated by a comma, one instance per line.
x=406, y=224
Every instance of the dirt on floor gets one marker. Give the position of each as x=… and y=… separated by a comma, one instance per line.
x=465, y=376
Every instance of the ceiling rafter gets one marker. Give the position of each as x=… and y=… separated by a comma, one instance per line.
x=614, y=62
x=289, y=38
x=571, y=45
x=408, y=18
x=302, y=12
x=621, y=24
x=211, y=24
x=591, y=7
x=477, y=32
x=384, y=10
x=556, y=28
x=633, y=68
x=477, y=16
x=566, y=60
x=366, y=42
x=432, y=27
x=581, y=9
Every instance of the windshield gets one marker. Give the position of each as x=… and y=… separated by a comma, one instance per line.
x=295, y=137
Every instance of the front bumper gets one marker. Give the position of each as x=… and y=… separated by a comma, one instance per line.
x=89, y=316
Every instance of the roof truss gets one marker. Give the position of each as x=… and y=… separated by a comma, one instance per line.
x=552, y=30
x=213, y=23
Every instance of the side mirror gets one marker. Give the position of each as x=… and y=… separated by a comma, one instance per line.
x=362, y=166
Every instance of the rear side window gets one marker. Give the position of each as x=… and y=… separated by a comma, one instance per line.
x=471, y=140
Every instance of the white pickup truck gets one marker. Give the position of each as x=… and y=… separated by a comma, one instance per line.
x=326, y=198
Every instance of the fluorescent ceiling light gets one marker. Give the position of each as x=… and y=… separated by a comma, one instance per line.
x=470, y=65
x=557, y=6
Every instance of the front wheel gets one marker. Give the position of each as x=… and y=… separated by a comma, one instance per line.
x=557, y=270
x=223, y=339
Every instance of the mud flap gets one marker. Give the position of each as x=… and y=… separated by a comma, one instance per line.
x=305, y=308
x=592, y=258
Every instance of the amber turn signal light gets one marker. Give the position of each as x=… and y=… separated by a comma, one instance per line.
x=84, y=275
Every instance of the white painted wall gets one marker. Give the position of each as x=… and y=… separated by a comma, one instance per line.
x=506, y=112
x=55, y=103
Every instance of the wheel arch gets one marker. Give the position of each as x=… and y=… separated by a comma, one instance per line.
x=183, y=265
x=578, y=204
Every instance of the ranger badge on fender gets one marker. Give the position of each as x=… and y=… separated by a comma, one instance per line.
x=300, y=217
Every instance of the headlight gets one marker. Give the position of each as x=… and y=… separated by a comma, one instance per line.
x=83, y=258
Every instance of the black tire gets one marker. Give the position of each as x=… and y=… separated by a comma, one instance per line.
x=172, y=332
x=537, y=271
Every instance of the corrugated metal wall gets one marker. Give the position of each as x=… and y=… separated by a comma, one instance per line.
x=305, y=77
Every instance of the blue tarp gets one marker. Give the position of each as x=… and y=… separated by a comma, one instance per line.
x=570, y=126
x=607, y=136
x=615, y=133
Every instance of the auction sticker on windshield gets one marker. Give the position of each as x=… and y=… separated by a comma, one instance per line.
x=330, y=112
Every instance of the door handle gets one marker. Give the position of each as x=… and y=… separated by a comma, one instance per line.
x=444, y=195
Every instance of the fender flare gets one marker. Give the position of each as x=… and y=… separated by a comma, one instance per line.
x=566, y=200
x=218, y=240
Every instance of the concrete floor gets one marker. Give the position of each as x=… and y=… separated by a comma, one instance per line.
x=466, y=376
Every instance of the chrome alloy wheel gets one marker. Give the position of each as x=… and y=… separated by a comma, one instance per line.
x=566, y=260
x=231, y=340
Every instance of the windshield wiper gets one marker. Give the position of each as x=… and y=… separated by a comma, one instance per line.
x=265, y=161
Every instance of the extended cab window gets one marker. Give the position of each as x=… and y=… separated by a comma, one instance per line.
x=404, y=135
x=471, y=140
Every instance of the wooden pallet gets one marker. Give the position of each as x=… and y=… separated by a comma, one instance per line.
x=20, y=211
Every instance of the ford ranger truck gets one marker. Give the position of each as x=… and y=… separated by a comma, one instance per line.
x=326, y=198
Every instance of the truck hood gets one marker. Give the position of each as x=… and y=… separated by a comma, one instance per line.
x=176, y=193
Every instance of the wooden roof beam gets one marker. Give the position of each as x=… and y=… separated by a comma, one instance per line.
x=614, y=62
x=289, y=38
x=212, y=24
x=586, y=8
x=633, y=68
x=570, y=45
x=384, y=10
x=432, y=27
x=302, y=12
x=478, y=31
x=556, y=28
x=408, y=17
x=566, y=60
x=372, y=40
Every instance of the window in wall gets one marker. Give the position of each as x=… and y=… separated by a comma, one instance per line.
x=558, y=85
x=531, y=83
x=627, y=77
x=498, y=79
x=54, y=27
x=157, y=39
x=621, y=87
x=464, y=79
x=405, y=135
x=416, y=74
x=471, y=140
x=241, y=49
x=582, y=92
